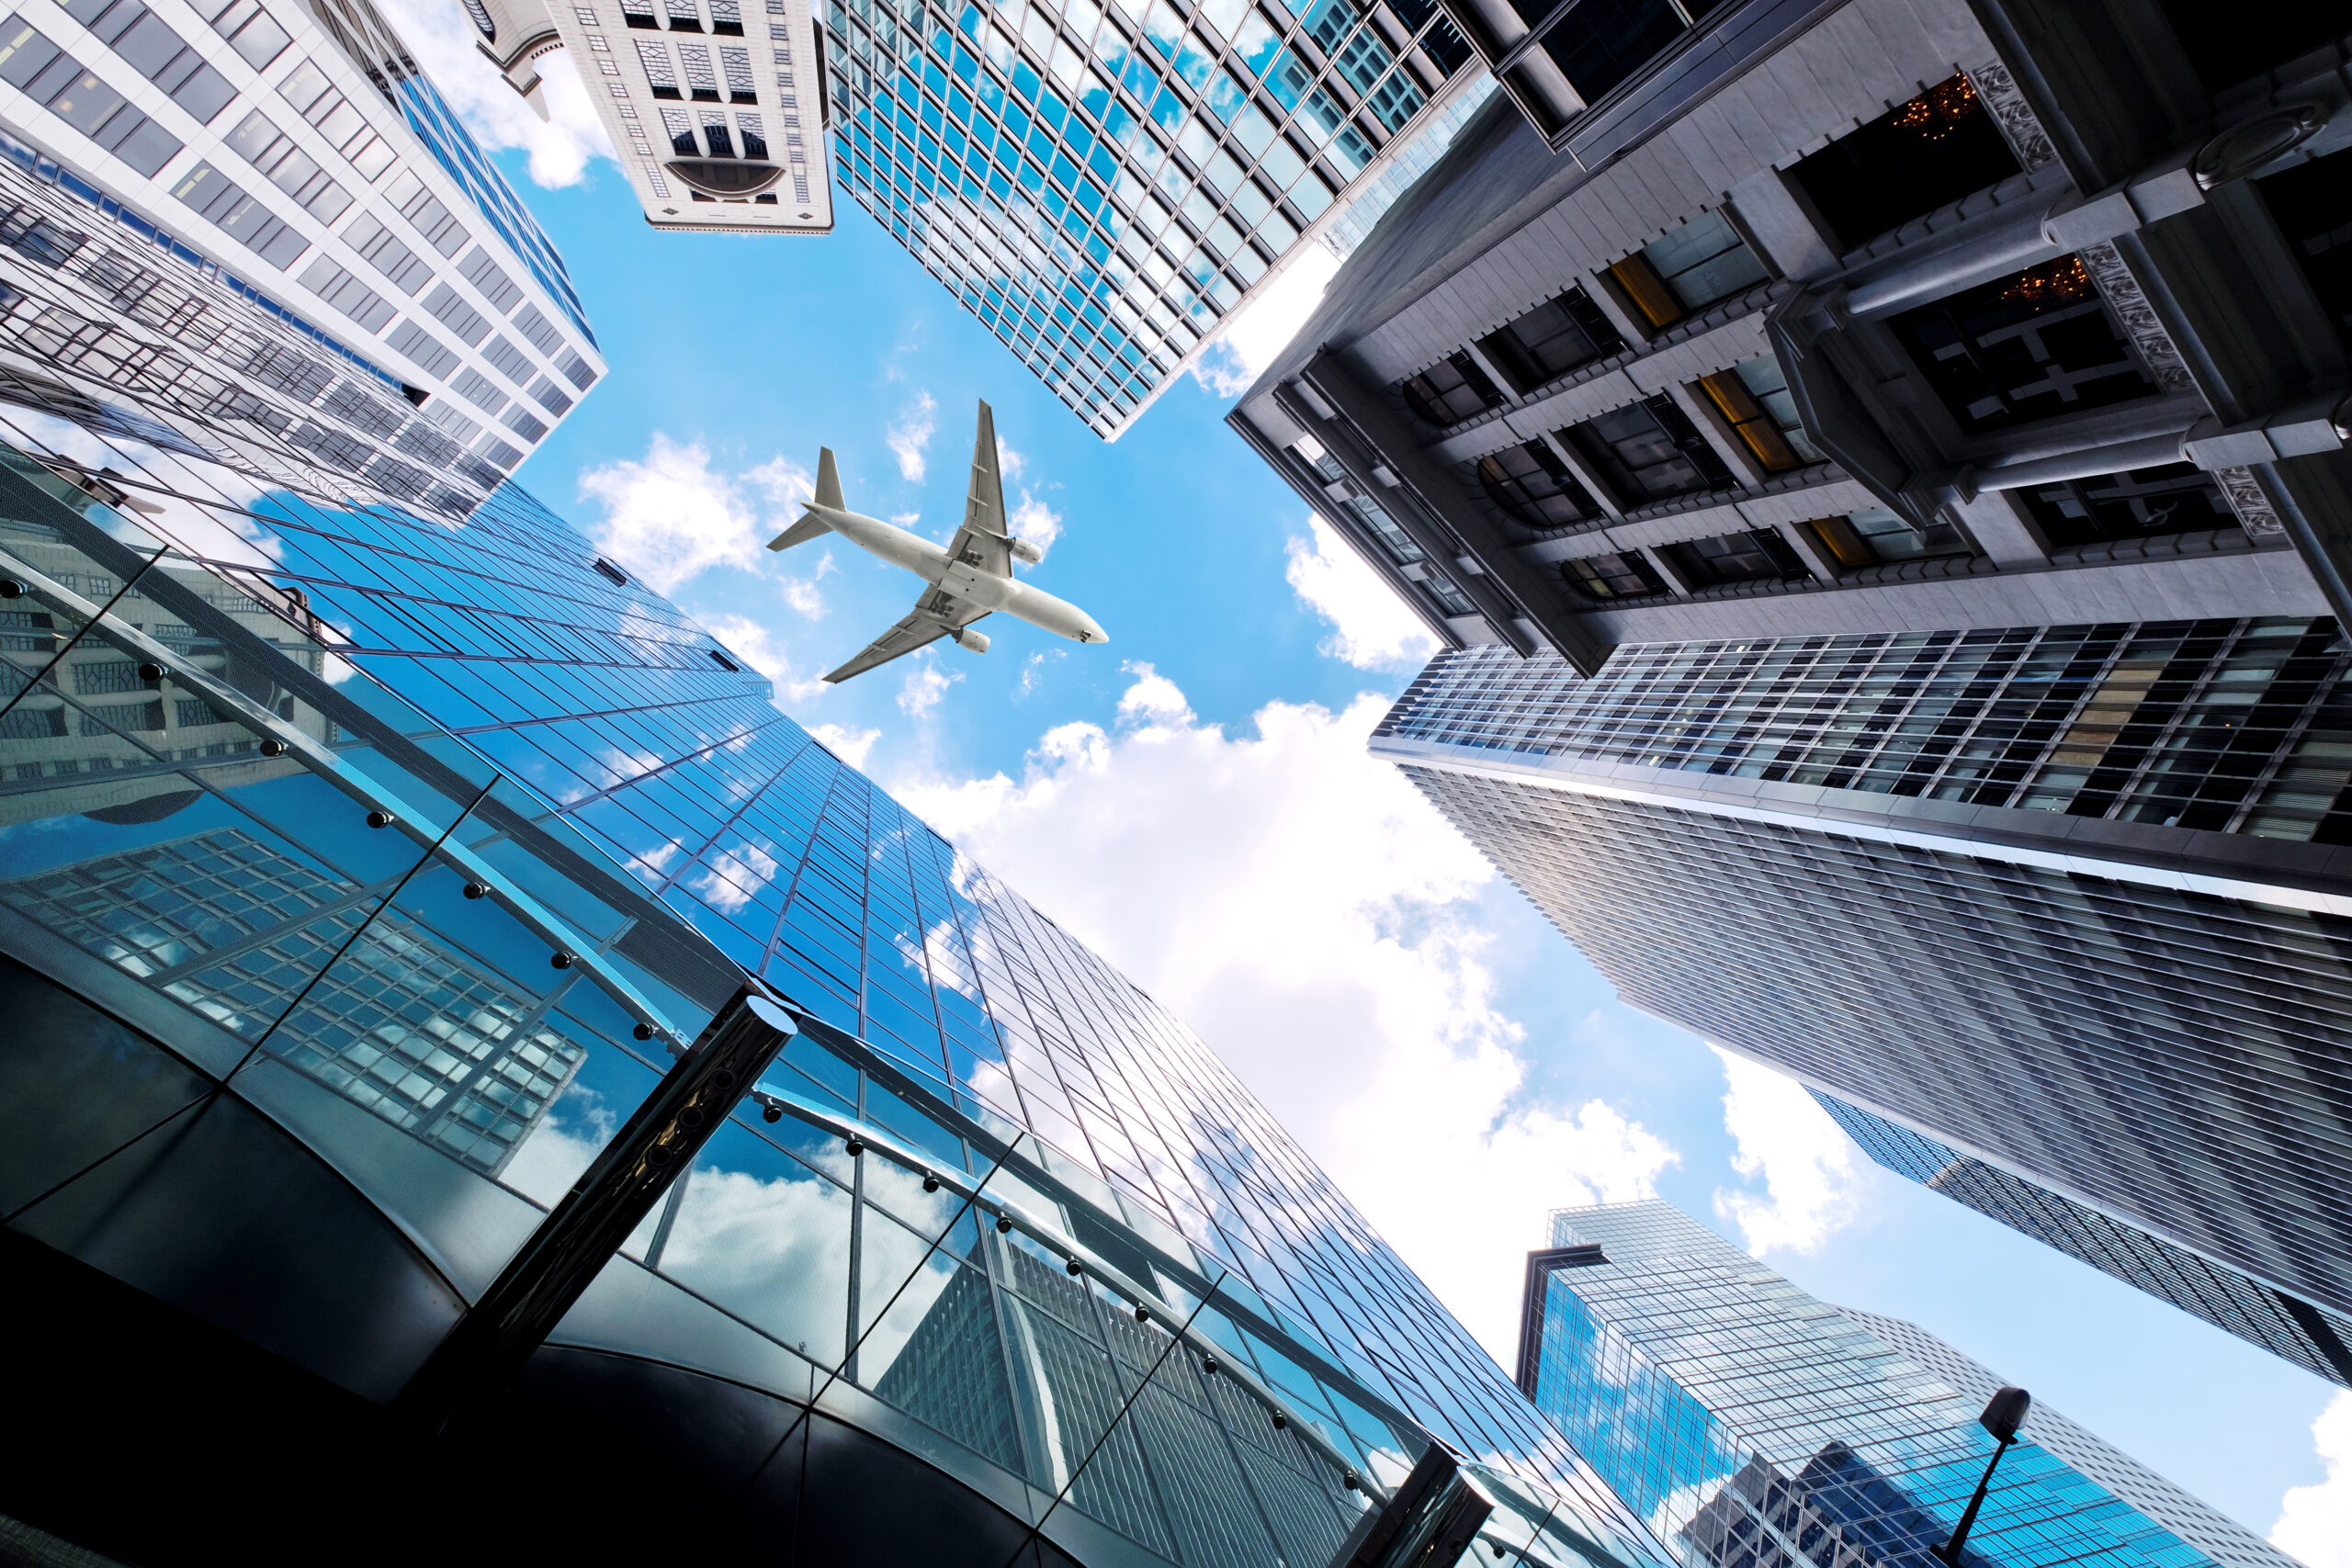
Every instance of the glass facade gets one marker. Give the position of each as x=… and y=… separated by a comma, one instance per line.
x=1760, y=1428
x=2311, y=1336
x=2014, y=888
x=1102, y=187
x=2198, y=1523
x=2240, y=726
x=431, y=838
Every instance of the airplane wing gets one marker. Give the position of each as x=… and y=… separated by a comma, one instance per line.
x=936, y=614
x=981, y=543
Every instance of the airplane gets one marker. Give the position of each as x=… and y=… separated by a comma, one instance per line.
x=968, y=580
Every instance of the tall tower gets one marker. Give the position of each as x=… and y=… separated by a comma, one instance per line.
x=2067, y=899
x=1754, y=1424
x=296, y=153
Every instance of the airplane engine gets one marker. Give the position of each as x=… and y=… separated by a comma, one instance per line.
x=1022, y=550
x=973, y=642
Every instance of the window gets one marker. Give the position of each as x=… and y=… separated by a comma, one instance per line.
x=2028, y=347
x=727, y=17
x=1450, y=391
x=607, y=569
x=1754, y=397
x=148, y=45
x=1599, y=43
x=1689, y=269
x=1627, y=574
x=48, y=75
x=1650, y=451
x=249, y=31
x=1876, y=535
x=1919, y=155
x=1759, y=555
x=723, y=661
x=683, y=18
x=1550, y=341
x=2173, y=498
x=714, y=131
x=654, y=55
x=1532, y=484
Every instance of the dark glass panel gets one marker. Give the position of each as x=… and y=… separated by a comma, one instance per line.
x=1919, y=155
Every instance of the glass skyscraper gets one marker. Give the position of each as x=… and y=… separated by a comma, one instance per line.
x=298, y=154
x=1760, y=1428
x=2069, y=899
x=364, y=870
x=2313, y=1337
x=1102, y=186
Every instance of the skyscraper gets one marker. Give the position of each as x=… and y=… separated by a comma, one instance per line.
x=372, y=877
x=296, y=152
x=2313, y=1337
x=1102, y=187
x=1758, y=1426
x=1867, y=317
x=2067, y=898
x=2216, y=1535
x=657, y=73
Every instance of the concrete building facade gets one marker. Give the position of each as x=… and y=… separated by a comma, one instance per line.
x=1877, y=316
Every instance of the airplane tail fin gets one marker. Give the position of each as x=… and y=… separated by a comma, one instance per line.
x=829, y=482
x=829, y=494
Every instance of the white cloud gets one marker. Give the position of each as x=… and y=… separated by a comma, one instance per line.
x=910, y=433
x=1033, y=670
x=1303, y=907
x=671, y=516
x=1371, y=627
x=1254, y=336
x=2316, y=1522
x=850, y=746
x=559, y=146
x=1034, y=521
x=1815, y=1180
x=1009, y=463
x=925, y=684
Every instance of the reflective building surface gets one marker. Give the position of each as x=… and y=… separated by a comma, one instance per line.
x=2067, y=899
x=2313, y=1337
x=295, y=155
x=2213, y=1533
x=1761, y=1429
x=1102, y=187
x=371, y=879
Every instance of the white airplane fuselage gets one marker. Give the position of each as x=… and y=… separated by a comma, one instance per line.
x=932, y=564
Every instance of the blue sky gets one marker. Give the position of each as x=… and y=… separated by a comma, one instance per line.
x=1193, y=800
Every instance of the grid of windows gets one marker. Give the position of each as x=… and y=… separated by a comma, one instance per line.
x=2242, y=726
x=1102, y=186
x=1766, y=1430
x=2314, y=1339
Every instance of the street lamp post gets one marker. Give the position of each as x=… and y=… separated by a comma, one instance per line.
x=2004, y=1413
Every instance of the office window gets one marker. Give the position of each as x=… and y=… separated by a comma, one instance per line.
x=1753, y=398
x=2028, y=347
x=48, y=75
x=755, y=140
x=714, y=132
x=149, y=46
x=1876, y=536
x=684, y=16
x=702, y=82
x=727, y=17
x=1550, y=341
x=736, y=63
x=1704, y=261
x=249, y=30
x=1624, y=574
x=1599, y=43
x=1922, y=155
x=654, y=55
x=1451, y=391
x=681, y=132
x=2173, y=498
x=1759, y=555
x=289, y=168
x=1650, y=451
x=1532, y=484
